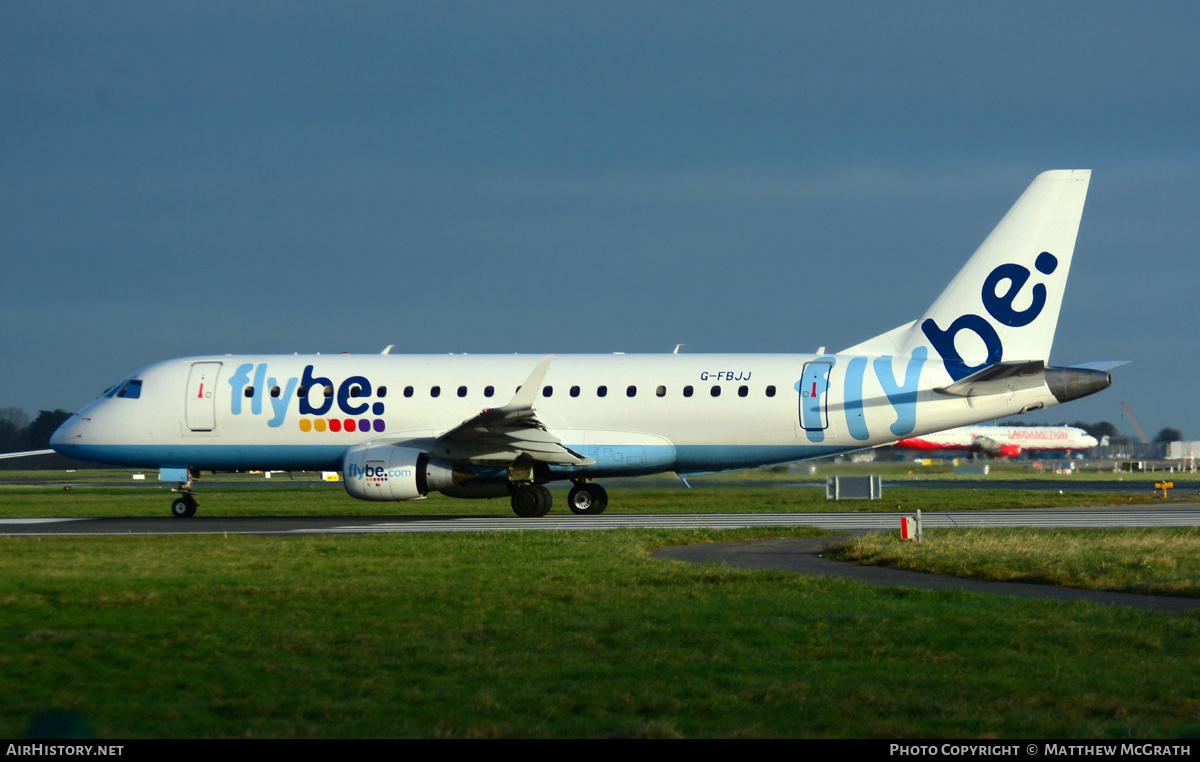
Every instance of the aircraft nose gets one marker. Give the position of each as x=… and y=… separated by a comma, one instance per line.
x=68, y=434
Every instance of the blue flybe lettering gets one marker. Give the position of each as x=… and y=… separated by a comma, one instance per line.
x=343, y=395
x=943, y=342
x=856, y=422
x=349, y=401
x=310, y=383
x=902, y=395
x=280, y=404
x=1000, y=307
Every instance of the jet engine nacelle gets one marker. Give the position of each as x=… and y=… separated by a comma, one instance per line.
x=387, y=472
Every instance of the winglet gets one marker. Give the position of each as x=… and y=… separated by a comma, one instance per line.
x=527, y=392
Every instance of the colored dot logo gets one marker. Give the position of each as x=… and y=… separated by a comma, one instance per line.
x=364, y=425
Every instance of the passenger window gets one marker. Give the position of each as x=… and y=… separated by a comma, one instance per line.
x=302, y=391
x=770, y=391
x=408, y=391
x=275, y=391
x=687, y=391
x=547, y=391
x=328, y=391
x=249, y=392
x=743, y=391
x=435, y=391
x=631, y=391
x=488, y=391
x=601, y=391
x=354, y=391
x=716, y=391
x=661, y=391
x=462, y=391
x=381, y=392
x=574, y=391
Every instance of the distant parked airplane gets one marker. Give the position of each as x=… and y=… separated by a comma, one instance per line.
x=1005, y=441
x=402, y=426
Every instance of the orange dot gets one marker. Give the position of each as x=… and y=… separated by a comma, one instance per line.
x=305, y=424
x=319, y=424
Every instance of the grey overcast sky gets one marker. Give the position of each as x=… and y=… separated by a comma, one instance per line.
x=190, y=178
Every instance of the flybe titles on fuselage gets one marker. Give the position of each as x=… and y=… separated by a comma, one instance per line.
x=251, y=386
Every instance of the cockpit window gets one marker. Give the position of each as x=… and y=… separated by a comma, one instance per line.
x=131, y=389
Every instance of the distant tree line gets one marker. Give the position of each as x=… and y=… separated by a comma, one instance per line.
x=19, y=432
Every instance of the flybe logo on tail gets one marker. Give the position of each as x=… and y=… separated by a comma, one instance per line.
x=1000, y=307
x=349, y=397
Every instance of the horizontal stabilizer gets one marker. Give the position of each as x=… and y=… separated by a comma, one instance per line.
x=1102, y=364
x=1001, y=378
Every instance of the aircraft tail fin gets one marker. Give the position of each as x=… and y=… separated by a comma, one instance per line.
x=1003, y=305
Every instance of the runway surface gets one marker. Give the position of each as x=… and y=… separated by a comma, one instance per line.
x=1174, y=515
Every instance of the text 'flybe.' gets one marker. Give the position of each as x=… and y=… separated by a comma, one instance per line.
x=349, y=397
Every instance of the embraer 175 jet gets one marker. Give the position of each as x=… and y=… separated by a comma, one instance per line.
x=477, y=426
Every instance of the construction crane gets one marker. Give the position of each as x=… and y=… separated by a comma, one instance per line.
x=1141, y=434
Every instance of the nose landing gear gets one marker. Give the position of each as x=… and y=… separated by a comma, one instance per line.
x=184, y=506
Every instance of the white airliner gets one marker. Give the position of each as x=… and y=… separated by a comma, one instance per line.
x=399, y=427
x=1005, y=441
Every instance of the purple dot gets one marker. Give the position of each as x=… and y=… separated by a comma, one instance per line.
x=379, y=424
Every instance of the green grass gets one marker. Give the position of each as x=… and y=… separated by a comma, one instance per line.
x=554, y=634
x=1161, y=561
x=571, y=634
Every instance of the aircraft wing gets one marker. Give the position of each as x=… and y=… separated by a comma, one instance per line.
x=500, y=435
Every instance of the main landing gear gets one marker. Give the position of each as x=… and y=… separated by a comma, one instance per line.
x=531, y=500
x=587, y=499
